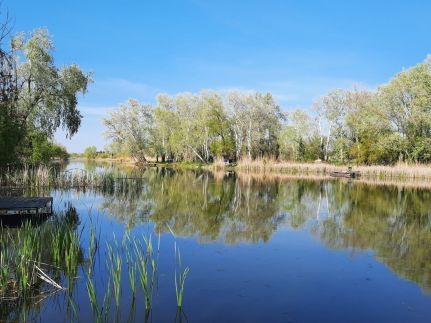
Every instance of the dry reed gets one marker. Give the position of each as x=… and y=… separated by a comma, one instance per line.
x=398, y=172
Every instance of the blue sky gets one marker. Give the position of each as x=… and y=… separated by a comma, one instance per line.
x=298, y=50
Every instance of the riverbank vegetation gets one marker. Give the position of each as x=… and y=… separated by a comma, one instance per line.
x=41, y=259
x=357, y=126
x=399, y=171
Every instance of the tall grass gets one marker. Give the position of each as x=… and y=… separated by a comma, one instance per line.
x=398, y=171
x=50, y=177
x=218, y=164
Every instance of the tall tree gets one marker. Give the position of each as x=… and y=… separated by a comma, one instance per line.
x=37, y=97
x=132, y=126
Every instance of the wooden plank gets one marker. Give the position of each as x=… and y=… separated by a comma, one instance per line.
x=24, y=202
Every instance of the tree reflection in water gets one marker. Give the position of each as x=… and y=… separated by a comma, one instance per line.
x=394, y=222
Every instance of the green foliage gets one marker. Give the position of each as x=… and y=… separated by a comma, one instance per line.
x=132, y=127
x=383, y=127
x=90, y=152
x=38, y=148
x=37, y=98
x=421, y=151
x=11, y=135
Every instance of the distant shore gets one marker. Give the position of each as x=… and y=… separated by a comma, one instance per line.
x=381, y=172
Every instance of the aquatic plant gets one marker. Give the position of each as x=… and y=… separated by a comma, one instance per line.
x=182, y=274
x=115, y=264
x=34, y=258
x=147, y=266
x=91, y=290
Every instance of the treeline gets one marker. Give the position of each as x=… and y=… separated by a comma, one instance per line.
x=390, y=124
x=36, y=97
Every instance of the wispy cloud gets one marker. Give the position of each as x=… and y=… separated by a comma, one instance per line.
x=113, y=91
x=95, y=111
x=302, y=91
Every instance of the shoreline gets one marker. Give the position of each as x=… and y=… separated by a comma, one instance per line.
x=406, y=175
x=379, y=172
x=399, y=171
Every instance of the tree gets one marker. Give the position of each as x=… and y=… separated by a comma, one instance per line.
x=37, y=96
x=90, y=152
x=297, y=138
x=255, y=123
x=166, y=125
x=11, y=132
x=47, y=95
x=132, y=126
x=406, y=100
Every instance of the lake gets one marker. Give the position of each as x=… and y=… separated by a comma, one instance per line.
x=259, y=249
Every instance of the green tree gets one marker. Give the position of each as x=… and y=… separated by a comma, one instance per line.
x=132, y=126
x=90, y=152
x=37, y=97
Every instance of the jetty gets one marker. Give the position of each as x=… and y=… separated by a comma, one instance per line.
x=25, y=206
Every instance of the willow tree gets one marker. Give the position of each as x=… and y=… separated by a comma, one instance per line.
x=45, y=97
x=10, y=131
x=48, y=95
x=132, y=127
x=406, y=100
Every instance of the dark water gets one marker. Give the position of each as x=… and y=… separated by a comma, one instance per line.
x=260, y=250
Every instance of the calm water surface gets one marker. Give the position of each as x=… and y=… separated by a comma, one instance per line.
x=259, y=250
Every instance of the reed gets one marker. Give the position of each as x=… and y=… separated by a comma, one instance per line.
x=147, y=266
x=50, y=177
x=218, y=164
x=398, y=171
x=30, y=256
x=115, y=264
x=182, y=274
x=132, y=276
x=91, y=290
x=92, y=249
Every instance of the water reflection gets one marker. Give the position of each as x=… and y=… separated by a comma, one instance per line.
x=394, y=222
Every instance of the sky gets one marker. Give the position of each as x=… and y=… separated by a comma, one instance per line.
x=298, y=50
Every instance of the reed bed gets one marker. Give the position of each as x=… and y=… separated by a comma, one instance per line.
x=36, y=261
x=218, y=164
x=30, y=256
x=399, y=171
x=43, y=177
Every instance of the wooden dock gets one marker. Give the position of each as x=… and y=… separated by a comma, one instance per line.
x=26, y=206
